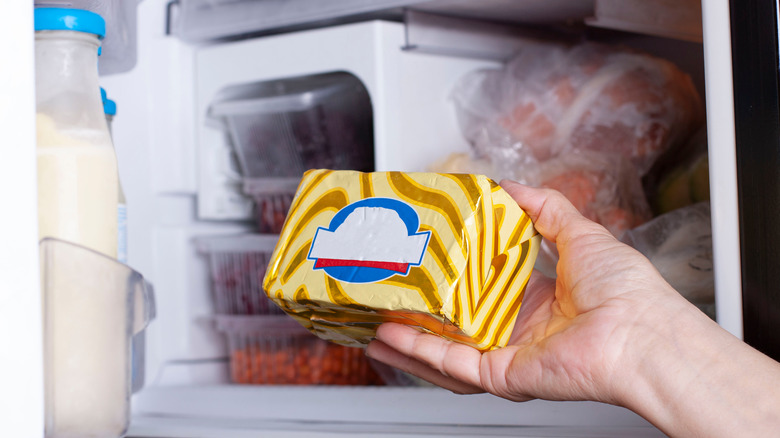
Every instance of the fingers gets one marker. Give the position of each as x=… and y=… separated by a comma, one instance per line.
x=452, y=361
x=382, y=352
x=553, y=215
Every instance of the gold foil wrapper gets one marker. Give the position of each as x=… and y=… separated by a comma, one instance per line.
x=450, y=254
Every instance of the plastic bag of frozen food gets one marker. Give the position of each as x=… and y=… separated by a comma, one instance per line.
x=552, y=99
x=679, y=244
x=604, y=188
x=681, y=177
x=461, y=162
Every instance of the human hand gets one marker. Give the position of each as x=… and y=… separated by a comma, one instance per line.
x=574, y=337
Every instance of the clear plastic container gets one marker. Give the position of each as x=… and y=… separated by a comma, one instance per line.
x=273, y=198
x=281, y=128
x=277, y=350
x=92, y=306
x=238, y=265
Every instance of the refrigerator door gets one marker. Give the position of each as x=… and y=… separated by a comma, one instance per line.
x=754, y=41
x=21, y=340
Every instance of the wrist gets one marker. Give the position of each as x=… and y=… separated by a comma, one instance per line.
x=673, y=344
x=689, y=377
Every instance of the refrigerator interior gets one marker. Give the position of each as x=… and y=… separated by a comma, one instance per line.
x=173, y=168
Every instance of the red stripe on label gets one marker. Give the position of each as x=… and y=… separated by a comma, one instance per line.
x=390, y=266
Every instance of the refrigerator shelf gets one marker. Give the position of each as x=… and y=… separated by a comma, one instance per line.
x=237, y=411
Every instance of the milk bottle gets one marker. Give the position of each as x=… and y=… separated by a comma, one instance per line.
x=77, y=171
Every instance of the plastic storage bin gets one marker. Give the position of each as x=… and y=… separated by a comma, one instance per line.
x=238, y=265
x=281, y=128
x=273, y=198
x=277, y=350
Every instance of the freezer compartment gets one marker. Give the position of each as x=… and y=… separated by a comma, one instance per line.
x=277, y=350
x=238, y=265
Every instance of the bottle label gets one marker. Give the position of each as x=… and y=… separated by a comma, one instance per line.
x=121, y=253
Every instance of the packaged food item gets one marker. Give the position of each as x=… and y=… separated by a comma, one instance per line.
x=447, y=253
x=461, y=162
x=552, y=99
x=276, y=350
x=680, y=177
x=77, y=170
x=137, y=354
x=109, y=108
x=605, y=188
x=238, y=264
x=588, y=120
x=679, y=244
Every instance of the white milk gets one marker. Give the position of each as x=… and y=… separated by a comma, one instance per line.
x=77, y=189
x=87, y=387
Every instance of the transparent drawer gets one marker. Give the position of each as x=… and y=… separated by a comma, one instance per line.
x=238, y=264
x=276, y=350
x=273, y=198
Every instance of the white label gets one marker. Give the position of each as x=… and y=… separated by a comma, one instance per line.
x=370, y=233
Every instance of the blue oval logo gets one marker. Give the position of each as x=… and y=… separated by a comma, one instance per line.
x=370, y=240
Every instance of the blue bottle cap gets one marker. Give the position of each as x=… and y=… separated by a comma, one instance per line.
x=109, y=107
x=70, y=19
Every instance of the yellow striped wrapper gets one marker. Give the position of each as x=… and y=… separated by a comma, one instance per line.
x=341, y=267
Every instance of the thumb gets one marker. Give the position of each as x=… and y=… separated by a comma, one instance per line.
x=556, y=219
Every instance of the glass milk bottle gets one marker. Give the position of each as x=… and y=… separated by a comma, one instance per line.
x=77, y=170
x=137, y=354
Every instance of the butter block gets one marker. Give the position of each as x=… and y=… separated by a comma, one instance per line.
x=450, y=254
